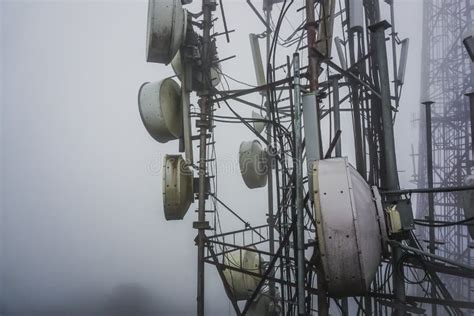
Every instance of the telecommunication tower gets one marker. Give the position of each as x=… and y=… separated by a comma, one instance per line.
x=445, y=144
x=336, y=238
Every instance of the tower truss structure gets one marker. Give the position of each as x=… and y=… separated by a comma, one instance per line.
x=357, y=93
x=447, y=75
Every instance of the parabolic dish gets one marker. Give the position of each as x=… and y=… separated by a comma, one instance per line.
x=258, y=124
x=177, y=187
x=253, y=164
x=266, y=304
x=178, y=68
x=160, y=109
x=166, y=30
x=349, y=237
x=241, y=284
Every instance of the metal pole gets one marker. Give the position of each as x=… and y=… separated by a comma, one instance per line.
x=187, y=131
x=358, y=134
x=390, y=178
x=337, y=112
x=394, y=52
x=313, y=69
x=345, y=306
x=431, y=215
x=204, y=123
x=313, y=62
x=368, y=305
x=312, y=56
x=299, y=188
x=471, y=110
x=271, y=221
x=200, y=224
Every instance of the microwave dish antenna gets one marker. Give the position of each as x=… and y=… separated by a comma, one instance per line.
x=166, y=30
x=197, y=79
x=242, y=284
x=177, y=187
x=259, y=123
x=349, y=227
x=253, y=164
x=160, y=109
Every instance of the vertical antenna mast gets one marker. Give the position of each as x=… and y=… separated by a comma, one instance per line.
x=204, y=124
x=267, y=7
x=299, y=188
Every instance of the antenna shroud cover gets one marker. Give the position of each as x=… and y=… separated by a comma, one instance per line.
x=241, y=284
x=349, y=232
x=166, y=30
x=253, y=164
x=177, y=187
x=160, y=109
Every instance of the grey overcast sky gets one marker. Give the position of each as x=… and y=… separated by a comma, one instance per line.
x=80, y=177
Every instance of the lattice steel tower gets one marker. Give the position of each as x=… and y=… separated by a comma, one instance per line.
x=446, y=78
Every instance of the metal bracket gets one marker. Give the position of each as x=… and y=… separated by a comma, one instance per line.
x=201, y=225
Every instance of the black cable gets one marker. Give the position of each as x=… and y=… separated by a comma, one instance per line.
x=249, y=119
x=236, y=80
x=446, y=224
x=400, y=263
x=250, y=127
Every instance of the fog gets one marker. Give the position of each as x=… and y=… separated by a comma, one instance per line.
x=81, y=215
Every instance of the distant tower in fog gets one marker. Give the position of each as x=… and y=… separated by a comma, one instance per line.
x=446, y=77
